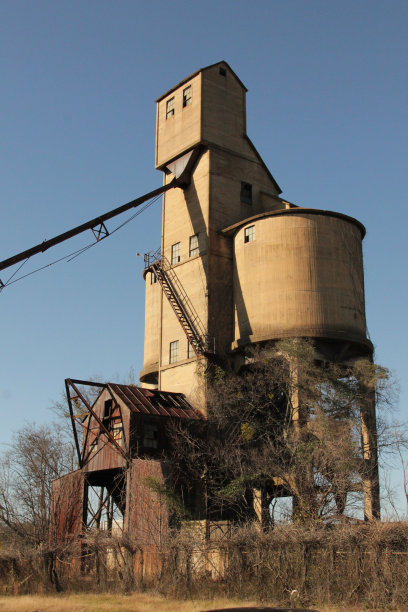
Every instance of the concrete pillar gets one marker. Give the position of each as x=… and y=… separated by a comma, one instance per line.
x=371, y=486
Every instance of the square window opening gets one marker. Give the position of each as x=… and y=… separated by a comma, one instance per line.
x=187, y=96
x=150, y=435
x=174, y=351
x=249, y=233
x=107, y=409
x=153, y=278
x=194, y=246
x=170, y=108
x=246, y=193
x=223, y=72
x=175, y=253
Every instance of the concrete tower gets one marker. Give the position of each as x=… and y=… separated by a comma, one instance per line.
x=238, y=264
x=230, y=183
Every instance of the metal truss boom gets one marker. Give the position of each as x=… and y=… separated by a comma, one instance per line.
x=97, y=224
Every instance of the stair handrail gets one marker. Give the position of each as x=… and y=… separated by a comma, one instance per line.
x=155, y=259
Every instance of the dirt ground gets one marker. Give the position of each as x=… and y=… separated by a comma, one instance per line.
x=132, y=603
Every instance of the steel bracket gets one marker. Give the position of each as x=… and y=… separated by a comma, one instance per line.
x=100, y=232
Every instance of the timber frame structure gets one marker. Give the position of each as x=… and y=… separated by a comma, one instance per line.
x=121, y=435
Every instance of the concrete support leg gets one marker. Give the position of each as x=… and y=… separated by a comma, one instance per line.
x=371, y=486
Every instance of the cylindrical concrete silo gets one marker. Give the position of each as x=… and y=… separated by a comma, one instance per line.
x=299, y=273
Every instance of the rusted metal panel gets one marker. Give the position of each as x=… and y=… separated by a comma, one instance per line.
x=99, y=452
x=67, y=507
x=155, y=402
x=147, y=513
x=110, y=436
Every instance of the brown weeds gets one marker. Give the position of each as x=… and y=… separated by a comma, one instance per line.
x=344, y=565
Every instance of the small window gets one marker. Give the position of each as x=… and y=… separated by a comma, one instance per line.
x=223, y=72
x=150, y=435
x=249, y=234
x=194, y=247
x=153, y=278
x=174, y=351
x=246, y=193
x=190, y=351
x=107, y=409
x=170, y=108
x=187, y=96
x=175, y=253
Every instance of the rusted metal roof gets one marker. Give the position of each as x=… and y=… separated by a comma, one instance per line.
x=155, y=402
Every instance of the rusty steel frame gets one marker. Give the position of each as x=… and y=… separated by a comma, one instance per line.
x=102, y=504
x=127, y=449
x=72, y=383
x=100, y=232
x=117, y=405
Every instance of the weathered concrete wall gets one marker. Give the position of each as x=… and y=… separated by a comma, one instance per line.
x=223, y=108
x=302, y=275
x=182, y=130
x=215, y=118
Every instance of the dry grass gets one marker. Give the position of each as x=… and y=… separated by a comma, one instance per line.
x=132, y=603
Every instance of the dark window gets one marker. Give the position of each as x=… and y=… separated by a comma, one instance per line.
x=170, y=108
x=150, y=435
x=194, y=247
x=187, y=95
x=153, y=278
x=107, y=410
x=190, y=351
x=246, y=193
x=223, y=72
x=249, y=234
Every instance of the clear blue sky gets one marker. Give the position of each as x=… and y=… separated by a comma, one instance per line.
x=327, y=110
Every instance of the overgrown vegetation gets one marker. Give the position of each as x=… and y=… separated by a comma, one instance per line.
x=347, y=565
x=286, y=425
x=283, y=426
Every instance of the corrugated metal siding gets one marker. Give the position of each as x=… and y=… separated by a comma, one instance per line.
x=67, y=507
x=147, y=515
x=107, y=456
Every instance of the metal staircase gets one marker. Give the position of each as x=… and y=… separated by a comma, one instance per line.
x=179, y=301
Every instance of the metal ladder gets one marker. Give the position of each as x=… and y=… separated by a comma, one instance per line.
x=181, y=304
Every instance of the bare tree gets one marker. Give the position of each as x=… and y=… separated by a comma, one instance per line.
x=34, y=459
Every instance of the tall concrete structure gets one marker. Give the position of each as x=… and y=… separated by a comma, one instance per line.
x=230, y=183
x=238, y=264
